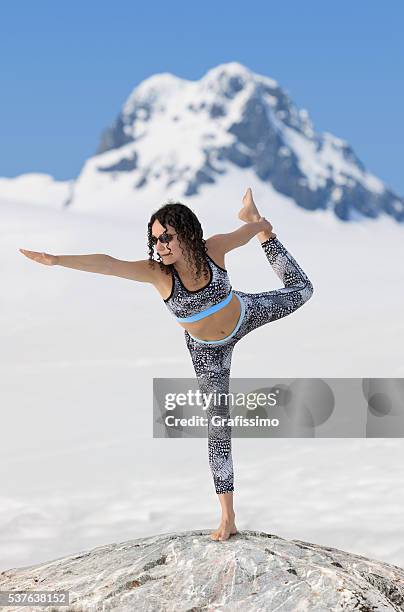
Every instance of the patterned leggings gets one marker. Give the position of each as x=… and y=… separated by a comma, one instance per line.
x=212, y=360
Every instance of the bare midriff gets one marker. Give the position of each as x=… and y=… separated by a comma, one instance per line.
x=217, y=325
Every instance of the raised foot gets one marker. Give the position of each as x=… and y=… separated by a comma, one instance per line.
x=249, y=212
x=226, y=529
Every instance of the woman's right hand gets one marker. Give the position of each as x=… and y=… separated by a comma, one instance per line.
x=43, y=258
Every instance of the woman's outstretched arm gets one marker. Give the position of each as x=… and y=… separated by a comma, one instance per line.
x=232, y=240
x=98, y=263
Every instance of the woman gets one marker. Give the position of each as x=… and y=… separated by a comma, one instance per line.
x=214, y=317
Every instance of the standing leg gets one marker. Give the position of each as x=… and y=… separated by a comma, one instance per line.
x=212, y=365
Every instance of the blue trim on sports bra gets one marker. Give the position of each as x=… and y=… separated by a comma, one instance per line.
x=208, y=311
x=235, y=330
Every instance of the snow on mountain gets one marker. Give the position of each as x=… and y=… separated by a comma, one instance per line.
x=173, y=137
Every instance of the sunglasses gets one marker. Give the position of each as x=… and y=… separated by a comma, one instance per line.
x=164, y=238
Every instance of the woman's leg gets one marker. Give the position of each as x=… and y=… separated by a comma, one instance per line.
x=212, y=365
x=212, y=368
x=267, y=306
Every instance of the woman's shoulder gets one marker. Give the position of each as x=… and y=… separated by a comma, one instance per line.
x=214, y=251
x=163, y=279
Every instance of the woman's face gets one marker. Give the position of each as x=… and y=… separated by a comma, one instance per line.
x=170, y=252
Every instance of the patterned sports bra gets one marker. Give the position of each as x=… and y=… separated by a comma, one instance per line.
x=188, y=306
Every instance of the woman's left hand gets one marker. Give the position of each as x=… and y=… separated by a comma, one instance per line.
x=266, y=226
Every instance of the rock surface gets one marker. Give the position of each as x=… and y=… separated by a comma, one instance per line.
x=252, y=571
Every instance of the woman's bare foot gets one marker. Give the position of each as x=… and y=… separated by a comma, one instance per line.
x=249, y=212
x=227, y=528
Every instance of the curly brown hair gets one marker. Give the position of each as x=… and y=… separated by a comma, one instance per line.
x=189, y=233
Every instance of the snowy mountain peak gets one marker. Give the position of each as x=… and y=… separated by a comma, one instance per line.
x=152, y=90
x=186, y=134
x=178, y=135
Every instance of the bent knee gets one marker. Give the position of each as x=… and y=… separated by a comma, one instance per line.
x=308, y=291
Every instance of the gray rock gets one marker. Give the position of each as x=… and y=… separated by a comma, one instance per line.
x=189, y=572
x=123, y=165
x=114, y=136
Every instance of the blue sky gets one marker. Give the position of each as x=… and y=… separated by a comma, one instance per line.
x=67, y=68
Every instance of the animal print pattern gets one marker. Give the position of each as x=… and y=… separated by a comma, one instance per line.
x=212, y=362
x=184, y=303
